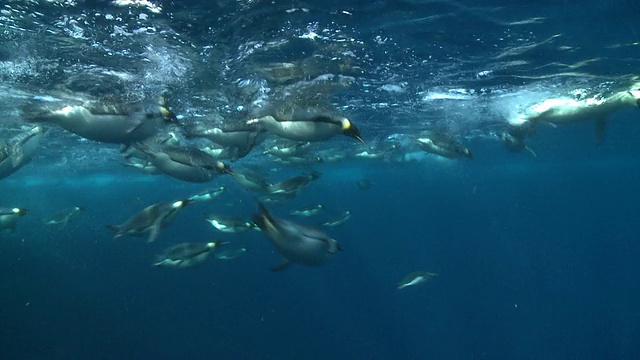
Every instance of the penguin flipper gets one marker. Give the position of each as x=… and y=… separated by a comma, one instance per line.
x=154, y=231
x=601, y=129
x=283, y=265
x=531, y=151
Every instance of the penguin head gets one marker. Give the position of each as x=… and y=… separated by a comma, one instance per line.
x=223, y=168
x=21, y=212
x=178, y=204
x=635, y=93
x=350, y=130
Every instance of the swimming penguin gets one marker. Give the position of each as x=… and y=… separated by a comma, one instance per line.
x=308, y=210
x=240, y=139
x=185, y=163
x=514, y=143
x=62, y=218
x=206, y=195
x=144, y=167
x=294, y=184
x=150, y=220
x=185, y=255
x=251, y=181
x=9, y=218
x=574, y=109
x=338, y=220
x=229, y=224
x=119, y=124
x=17, y=151
x=301, y=160
x=230, y=253
x=443, y=145
x=297, y=243
x=283, y=152
x=363, y=184
x=374, y=153
x=415, y=278
x=301, y=123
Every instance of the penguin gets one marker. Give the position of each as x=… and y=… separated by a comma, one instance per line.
x=185, y=255
x=62, y=218
x=229, y=224
x=308, y=210
x=294, y=184
x=514, y=143
x=150, y=220
x=338, y=220
x=18, y=151
x=297, y=243
x=309, y=124
x=283, y=152
x=251, y=181
x=415, y=278
x=9, y=218
x=185, y=163
x=301, y=160
x=240, y=139
x=443, y=145
x=207, y=195
x=118, y=124
x=565, y=110
x=230, y=254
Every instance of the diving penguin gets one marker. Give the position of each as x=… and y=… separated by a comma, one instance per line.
x=185, y=255
x=150, y=220
x=119, y=124
x=415, y=278
x=17, y=151
x=229, y=224
x=297, y=243
x=564, y=110
x=301, y=123
x=9, y=218
x=185, y=163
x=443, y=145
x=62, y=218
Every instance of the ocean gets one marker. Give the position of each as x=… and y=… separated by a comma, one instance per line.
x=535, y=256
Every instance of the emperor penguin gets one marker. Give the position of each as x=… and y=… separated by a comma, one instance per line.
x=305, y=123
x=150, y=220
x=565, y=110
x=9, y=218
x=443, y=145
x=118, y=124
x=17, y=151
x=185, y=163
x=62, y=217
x=185, y=255
x=239, y=139
x=297, y=243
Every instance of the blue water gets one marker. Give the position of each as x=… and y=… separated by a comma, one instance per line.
x=537, y=257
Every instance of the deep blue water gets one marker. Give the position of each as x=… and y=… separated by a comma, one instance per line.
x=533, y=262
x=537, y=257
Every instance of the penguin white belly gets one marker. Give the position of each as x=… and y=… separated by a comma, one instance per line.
x=104, y=128
x=429, y=146
x=181, y=171
x=304, y=130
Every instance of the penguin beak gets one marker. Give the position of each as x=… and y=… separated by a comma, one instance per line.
x=359, y=138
